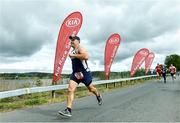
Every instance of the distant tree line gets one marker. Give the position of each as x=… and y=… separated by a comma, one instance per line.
x=113, y=75
x=117, y=75
x=29, y=75
x=96, y=74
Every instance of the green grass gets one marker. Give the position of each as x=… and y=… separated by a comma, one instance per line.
x=36, y=101
x=30, y=100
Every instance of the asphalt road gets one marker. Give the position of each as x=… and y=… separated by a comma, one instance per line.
x=149, y=102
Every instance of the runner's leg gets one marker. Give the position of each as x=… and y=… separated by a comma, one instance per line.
x=70, y=97
x=71, y=90
x=92, y=89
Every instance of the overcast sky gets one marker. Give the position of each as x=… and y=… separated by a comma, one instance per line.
x=29, y=30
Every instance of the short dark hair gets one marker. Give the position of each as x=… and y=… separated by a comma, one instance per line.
x=72, y=38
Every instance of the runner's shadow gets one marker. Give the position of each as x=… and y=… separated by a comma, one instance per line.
x=53, y=115
x=63, y=118
x=85, y=108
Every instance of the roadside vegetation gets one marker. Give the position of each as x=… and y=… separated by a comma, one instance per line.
x=32, y=100
x=173, y=59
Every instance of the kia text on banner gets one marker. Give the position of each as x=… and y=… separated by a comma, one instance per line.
x=71, y=25
x=148, y=61
x=112, y=45
x=138, y=59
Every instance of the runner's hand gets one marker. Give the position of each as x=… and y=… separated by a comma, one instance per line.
x=71, y=56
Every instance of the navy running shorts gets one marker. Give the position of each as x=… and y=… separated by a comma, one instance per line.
x=87, y=78
x=172, y=74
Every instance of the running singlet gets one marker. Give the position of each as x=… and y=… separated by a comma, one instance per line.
x=158, y=69
x=163, y=69
x=81, y=72
x=79, y=65
x=172, y=69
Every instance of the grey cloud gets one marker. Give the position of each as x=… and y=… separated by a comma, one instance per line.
x=13, y=59
x=27, y=26
x=139, y=22
x=134, y=22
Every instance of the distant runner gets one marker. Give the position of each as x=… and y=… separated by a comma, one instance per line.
x=164, y=70
x=81, y=73
x=158, y=71
x=172, y=70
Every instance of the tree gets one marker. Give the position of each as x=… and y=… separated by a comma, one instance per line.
x=173, y=59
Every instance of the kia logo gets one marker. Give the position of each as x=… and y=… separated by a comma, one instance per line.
x=143, y=53
x=72, y=22
x=114, y=41
x=151, y=55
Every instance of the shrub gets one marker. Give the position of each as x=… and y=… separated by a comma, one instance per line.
x=39, y=82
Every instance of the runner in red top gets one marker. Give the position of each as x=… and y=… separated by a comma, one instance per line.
x=158, y=71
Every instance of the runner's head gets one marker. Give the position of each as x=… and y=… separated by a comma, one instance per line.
x=75, y=40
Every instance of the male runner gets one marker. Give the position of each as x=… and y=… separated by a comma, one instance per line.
x=81, y=73
x=164, y=71
x=172, y=70
x=158, y=71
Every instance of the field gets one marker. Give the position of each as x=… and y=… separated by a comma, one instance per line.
x=11, y=81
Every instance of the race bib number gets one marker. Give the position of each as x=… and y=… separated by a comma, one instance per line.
x=79, y=75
